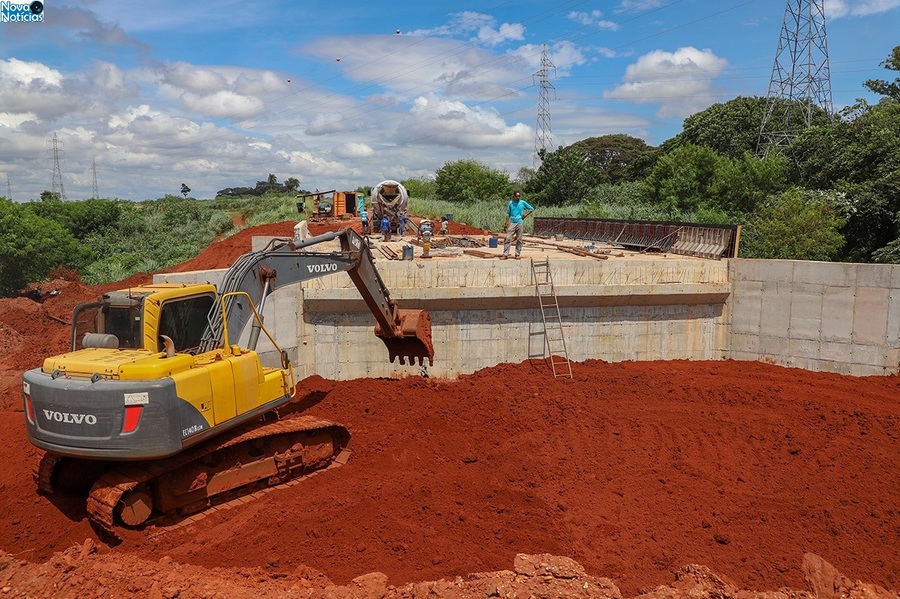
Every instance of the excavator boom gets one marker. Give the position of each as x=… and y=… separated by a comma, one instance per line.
x=286, y=262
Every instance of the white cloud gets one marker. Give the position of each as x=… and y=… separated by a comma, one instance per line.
x=330, y=123
x=192, y=78
x=14, y=119
x=593, y=19
x=434, y=121
x=110, y=79
x=19, y=72
x=224, y=104
x=480, y=28
x=858, y=8
x=628, y=5
x=563, y=53
x=310, y=163
x=252, y=82
x=680, y=81
x=36, y=90
x=354, y=150
x=403, y=63
x=220, y=92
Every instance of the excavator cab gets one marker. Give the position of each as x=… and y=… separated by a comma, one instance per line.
x=115, y=321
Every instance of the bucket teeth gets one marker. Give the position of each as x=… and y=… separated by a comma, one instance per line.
x=411, y=343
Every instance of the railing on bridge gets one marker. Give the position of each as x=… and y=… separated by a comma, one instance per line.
x=688, y=239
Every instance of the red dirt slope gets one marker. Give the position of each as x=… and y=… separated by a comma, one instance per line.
x=632, y=469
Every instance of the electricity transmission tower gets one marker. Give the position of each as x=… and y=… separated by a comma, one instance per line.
x=56, y=183
x=543, y=138
x=8, y=188
x=801, y=79
x=94, y=190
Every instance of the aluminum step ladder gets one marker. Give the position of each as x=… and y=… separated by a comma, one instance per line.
x=553, y=331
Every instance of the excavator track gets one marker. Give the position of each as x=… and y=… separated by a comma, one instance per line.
x=44, y=475
x=233, y=464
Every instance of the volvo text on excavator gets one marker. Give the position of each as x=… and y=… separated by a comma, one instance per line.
x=157, y=409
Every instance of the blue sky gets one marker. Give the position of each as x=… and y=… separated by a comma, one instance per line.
x=344, y=94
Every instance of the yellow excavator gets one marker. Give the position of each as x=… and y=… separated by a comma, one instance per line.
x=158, y=409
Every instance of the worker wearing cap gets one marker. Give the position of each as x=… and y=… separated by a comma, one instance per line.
x=516, y=212
x=364, y=218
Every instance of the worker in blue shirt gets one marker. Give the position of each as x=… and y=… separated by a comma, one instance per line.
x=364, y=217
x=516, y=212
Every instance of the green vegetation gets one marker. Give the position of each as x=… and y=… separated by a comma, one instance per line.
x=109, y=240
x=31, y=246
x=833, y=195
x=468, y=181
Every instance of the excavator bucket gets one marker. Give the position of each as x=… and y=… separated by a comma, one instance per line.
x=411, y=341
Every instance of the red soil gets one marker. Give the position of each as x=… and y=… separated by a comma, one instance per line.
x=632, y=469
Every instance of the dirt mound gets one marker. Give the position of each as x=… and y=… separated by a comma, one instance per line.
x=635, y=470
x=632, y=469
x=81, y=571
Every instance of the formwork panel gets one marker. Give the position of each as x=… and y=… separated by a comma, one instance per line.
x=892, y=335
x=837, y=314
x=775, y=315
x=868, y=355
x=746, y=307
x=774, y=345
x=835, y=351
x=870, y=315
x=835, y=274
x=745, y=344
x=873, y=275
x=806, y=311
x=803, y=348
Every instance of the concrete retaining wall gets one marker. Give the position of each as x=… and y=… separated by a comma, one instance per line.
x=820, y=316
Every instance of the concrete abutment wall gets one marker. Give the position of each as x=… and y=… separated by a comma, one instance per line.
x=819, y=316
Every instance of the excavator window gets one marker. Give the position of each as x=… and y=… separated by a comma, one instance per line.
x=184, y=322
x=125, y=323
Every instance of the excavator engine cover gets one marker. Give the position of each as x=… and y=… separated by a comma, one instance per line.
x=411, y=342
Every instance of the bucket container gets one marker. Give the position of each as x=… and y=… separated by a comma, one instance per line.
x=407, y=252
x=492, y=242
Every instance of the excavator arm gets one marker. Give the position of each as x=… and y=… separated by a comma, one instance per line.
x=406, y=333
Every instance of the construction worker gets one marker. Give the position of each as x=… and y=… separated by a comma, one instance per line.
x=364, y=217
x=426, y=230
x=516, y=212
x=401, y=230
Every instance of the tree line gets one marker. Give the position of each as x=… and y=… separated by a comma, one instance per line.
x=832, y=194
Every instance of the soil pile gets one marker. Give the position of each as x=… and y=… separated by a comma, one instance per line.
x=634, y=470
x=82, y=572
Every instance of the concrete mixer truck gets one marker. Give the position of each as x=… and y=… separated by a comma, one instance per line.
x=389, y=198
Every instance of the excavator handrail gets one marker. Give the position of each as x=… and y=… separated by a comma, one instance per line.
x=228, y=348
